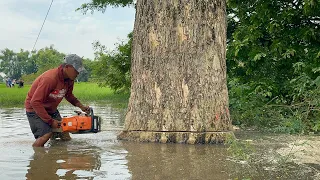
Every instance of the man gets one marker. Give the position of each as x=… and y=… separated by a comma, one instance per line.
x=46, y=93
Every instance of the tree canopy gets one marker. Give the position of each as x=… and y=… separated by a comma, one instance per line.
x=273, y=58
x=29, y=65
x=274, y=41
x=101, y=5
x=112, y=69
x=15, y=64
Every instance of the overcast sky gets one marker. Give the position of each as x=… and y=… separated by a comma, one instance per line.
x=67, y=30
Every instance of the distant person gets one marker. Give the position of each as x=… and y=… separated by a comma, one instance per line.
x=13, y=82
x=46, y=93
x=9, y=83
x=21, y=83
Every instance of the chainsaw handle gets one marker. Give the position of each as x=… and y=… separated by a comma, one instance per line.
x=91, y=112
x=78, y=112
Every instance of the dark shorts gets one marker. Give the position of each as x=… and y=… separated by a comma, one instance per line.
x=38, y=126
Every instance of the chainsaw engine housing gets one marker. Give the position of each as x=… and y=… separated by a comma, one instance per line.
x=82, y=123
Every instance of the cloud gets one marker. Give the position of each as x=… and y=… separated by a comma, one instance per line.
x=67, y=30
x=88, y=25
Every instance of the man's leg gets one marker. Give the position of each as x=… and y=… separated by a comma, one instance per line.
x=40, y=129
x=42, y=140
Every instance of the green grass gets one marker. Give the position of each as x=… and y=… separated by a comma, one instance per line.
x=85, y=92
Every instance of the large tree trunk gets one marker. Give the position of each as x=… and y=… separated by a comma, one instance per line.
x=179, y=91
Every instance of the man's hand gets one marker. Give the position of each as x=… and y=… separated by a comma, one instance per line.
x=56, y=124
x=85, y=109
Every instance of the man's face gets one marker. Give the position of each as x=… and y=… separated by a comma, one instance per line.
x=71, y=72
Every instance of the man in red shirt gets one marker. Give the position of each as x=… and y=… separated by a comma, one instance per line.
x=46, y=93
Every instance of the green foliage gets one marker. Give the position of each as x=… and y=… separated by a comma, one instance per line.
x=85, y=75
x=41, y=61
x=112, y=69
x=28, y=62
x=29, y=78
x=48, y=58
x=29, y=66
x=273, y=64
x=269, y=38
x=101, y=5
x=7, y=56
x=10, y=64
x=15, y=65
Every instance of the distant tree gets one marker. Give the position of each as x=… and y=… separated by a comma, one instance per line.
x=273, y=57
x=112, y=69
x=48, y=58
x=40, y=61
x=89, y=65
x=9, y=64
x=30, y=65
x=270, y=39
x=26, y=63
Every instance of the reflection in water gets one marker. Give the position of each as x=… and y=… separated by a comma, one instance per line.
x=176, y=161
x=64, y=161
x=212, y=162
x=86, y=156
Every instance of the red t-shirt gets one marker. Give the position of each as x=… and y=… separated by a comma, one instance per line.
x=47, y=91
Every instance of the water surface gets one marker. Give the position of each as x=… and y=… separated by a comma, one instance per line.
x=102, y=156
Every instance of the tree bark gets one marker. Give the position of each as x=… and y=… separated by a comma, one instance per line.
x=178, y=73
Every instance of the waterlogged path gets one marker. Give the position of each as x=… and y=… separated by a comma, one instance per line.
x=102, y=156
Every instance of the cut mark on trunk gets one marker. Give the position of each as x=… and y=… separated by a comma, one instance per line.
x=185, y=91
x=153, y=38
x=167, y=120
x=187, y=11
x=158, y=94
x=182, y=33
x=177, y=131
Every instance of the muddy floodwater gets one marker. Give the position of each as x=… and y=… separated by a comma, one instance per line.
x=101, y=156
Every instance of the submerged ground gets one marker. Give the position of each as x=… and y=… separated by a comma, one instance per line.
x=101, y=156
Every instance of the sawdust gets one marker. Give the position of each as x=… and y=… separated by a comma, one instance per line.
x=302, y=149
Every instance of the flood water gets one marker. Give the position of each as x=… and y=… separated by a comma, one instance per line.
x=102, y=156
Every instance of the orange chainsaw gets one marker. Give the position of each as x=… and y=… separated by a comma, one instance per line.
x=81, y=123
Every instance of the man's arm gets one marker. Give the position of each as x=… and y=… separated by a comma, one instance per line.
x=73, y=100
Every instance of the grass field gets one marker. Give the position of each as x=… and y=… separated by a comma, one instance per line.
x=85, y=92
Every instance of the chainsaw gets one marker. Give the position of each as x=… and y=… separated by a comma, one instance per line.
x=81, y=123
